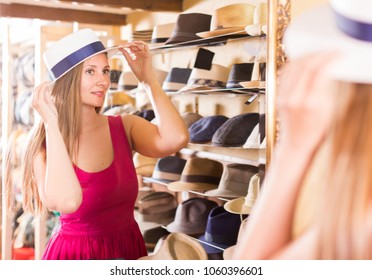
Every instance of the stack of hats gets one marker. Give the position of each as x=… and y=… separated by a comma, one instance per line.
x=141, y=35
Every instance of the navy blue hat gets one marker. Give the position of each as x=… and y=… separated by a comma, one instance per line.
x=235, y=131
x=203, y=129
x=221, y=231
x=239, y=72
x=169, y=169
x=176, y=79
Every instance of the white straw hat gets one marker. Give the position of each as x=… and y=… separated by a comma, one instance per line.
x=344, y=26
x=73, y=49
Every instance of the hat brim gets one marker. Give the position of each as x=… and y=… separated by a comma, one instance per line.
x=316, y=31
x=110, y=52
x=186, y=186
x=229, y=252
x=211, y=248
x=223, y=193
x=194, y=88
x=237, y=206
x=220, y=32
x=252, y=84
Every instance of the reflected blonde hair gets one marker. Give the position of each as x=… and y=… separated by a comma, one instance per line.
x=347, y=191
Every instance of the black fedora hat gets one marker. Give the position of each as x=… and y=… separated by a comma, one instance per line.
x=239, y=72
x=187, y=25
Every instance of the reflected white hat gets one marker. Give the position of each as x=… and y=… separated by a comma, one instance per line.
x=73, y=49
x=344, y=26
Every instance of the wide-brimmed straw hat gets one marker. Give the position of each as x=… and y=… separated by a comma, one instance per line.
x=179, y=246
x=73, y=49
x=343, y=26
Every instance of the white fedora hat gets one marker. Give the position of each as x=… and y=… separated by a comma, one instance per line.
x=344, y=26
x=73, y=49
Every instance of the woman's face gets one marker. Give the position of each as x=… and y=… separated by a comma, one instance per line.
x=95, y=80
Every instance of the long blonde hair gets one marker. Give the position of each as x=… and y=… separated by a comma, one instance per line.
x=67, y=99
x=347, y=190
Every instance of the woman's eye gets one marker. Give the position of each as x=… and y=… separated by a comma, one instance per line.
x=90, y=71
x=106, y=71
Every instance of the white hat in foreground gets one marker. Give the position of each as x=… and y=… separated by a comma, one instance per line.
x=73, y=49
x=344, y=26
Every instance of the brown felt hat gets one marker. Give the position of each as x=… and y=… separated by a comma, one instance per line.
x=157, y=207
x=199, y=174
x=192, y=216
x=179, y=246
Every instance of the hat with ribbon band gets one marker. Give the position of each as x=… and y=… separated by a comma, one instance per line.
x=342, y=26
x=73, y=49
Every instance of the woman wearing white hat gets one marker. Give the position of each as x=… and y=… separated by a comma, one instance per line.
x=326, y=117
x=79, y=162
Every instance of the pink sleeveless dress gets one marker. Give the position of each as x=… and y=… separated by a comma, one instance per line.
x=104, y=226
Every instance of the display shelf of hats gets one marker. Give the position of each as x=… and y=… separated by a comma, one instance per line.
x=230, y=22
x=214, y=225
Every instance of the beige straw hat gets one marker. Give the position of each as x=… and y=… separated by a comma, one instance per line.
x=179, y=246
x=243, y=205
